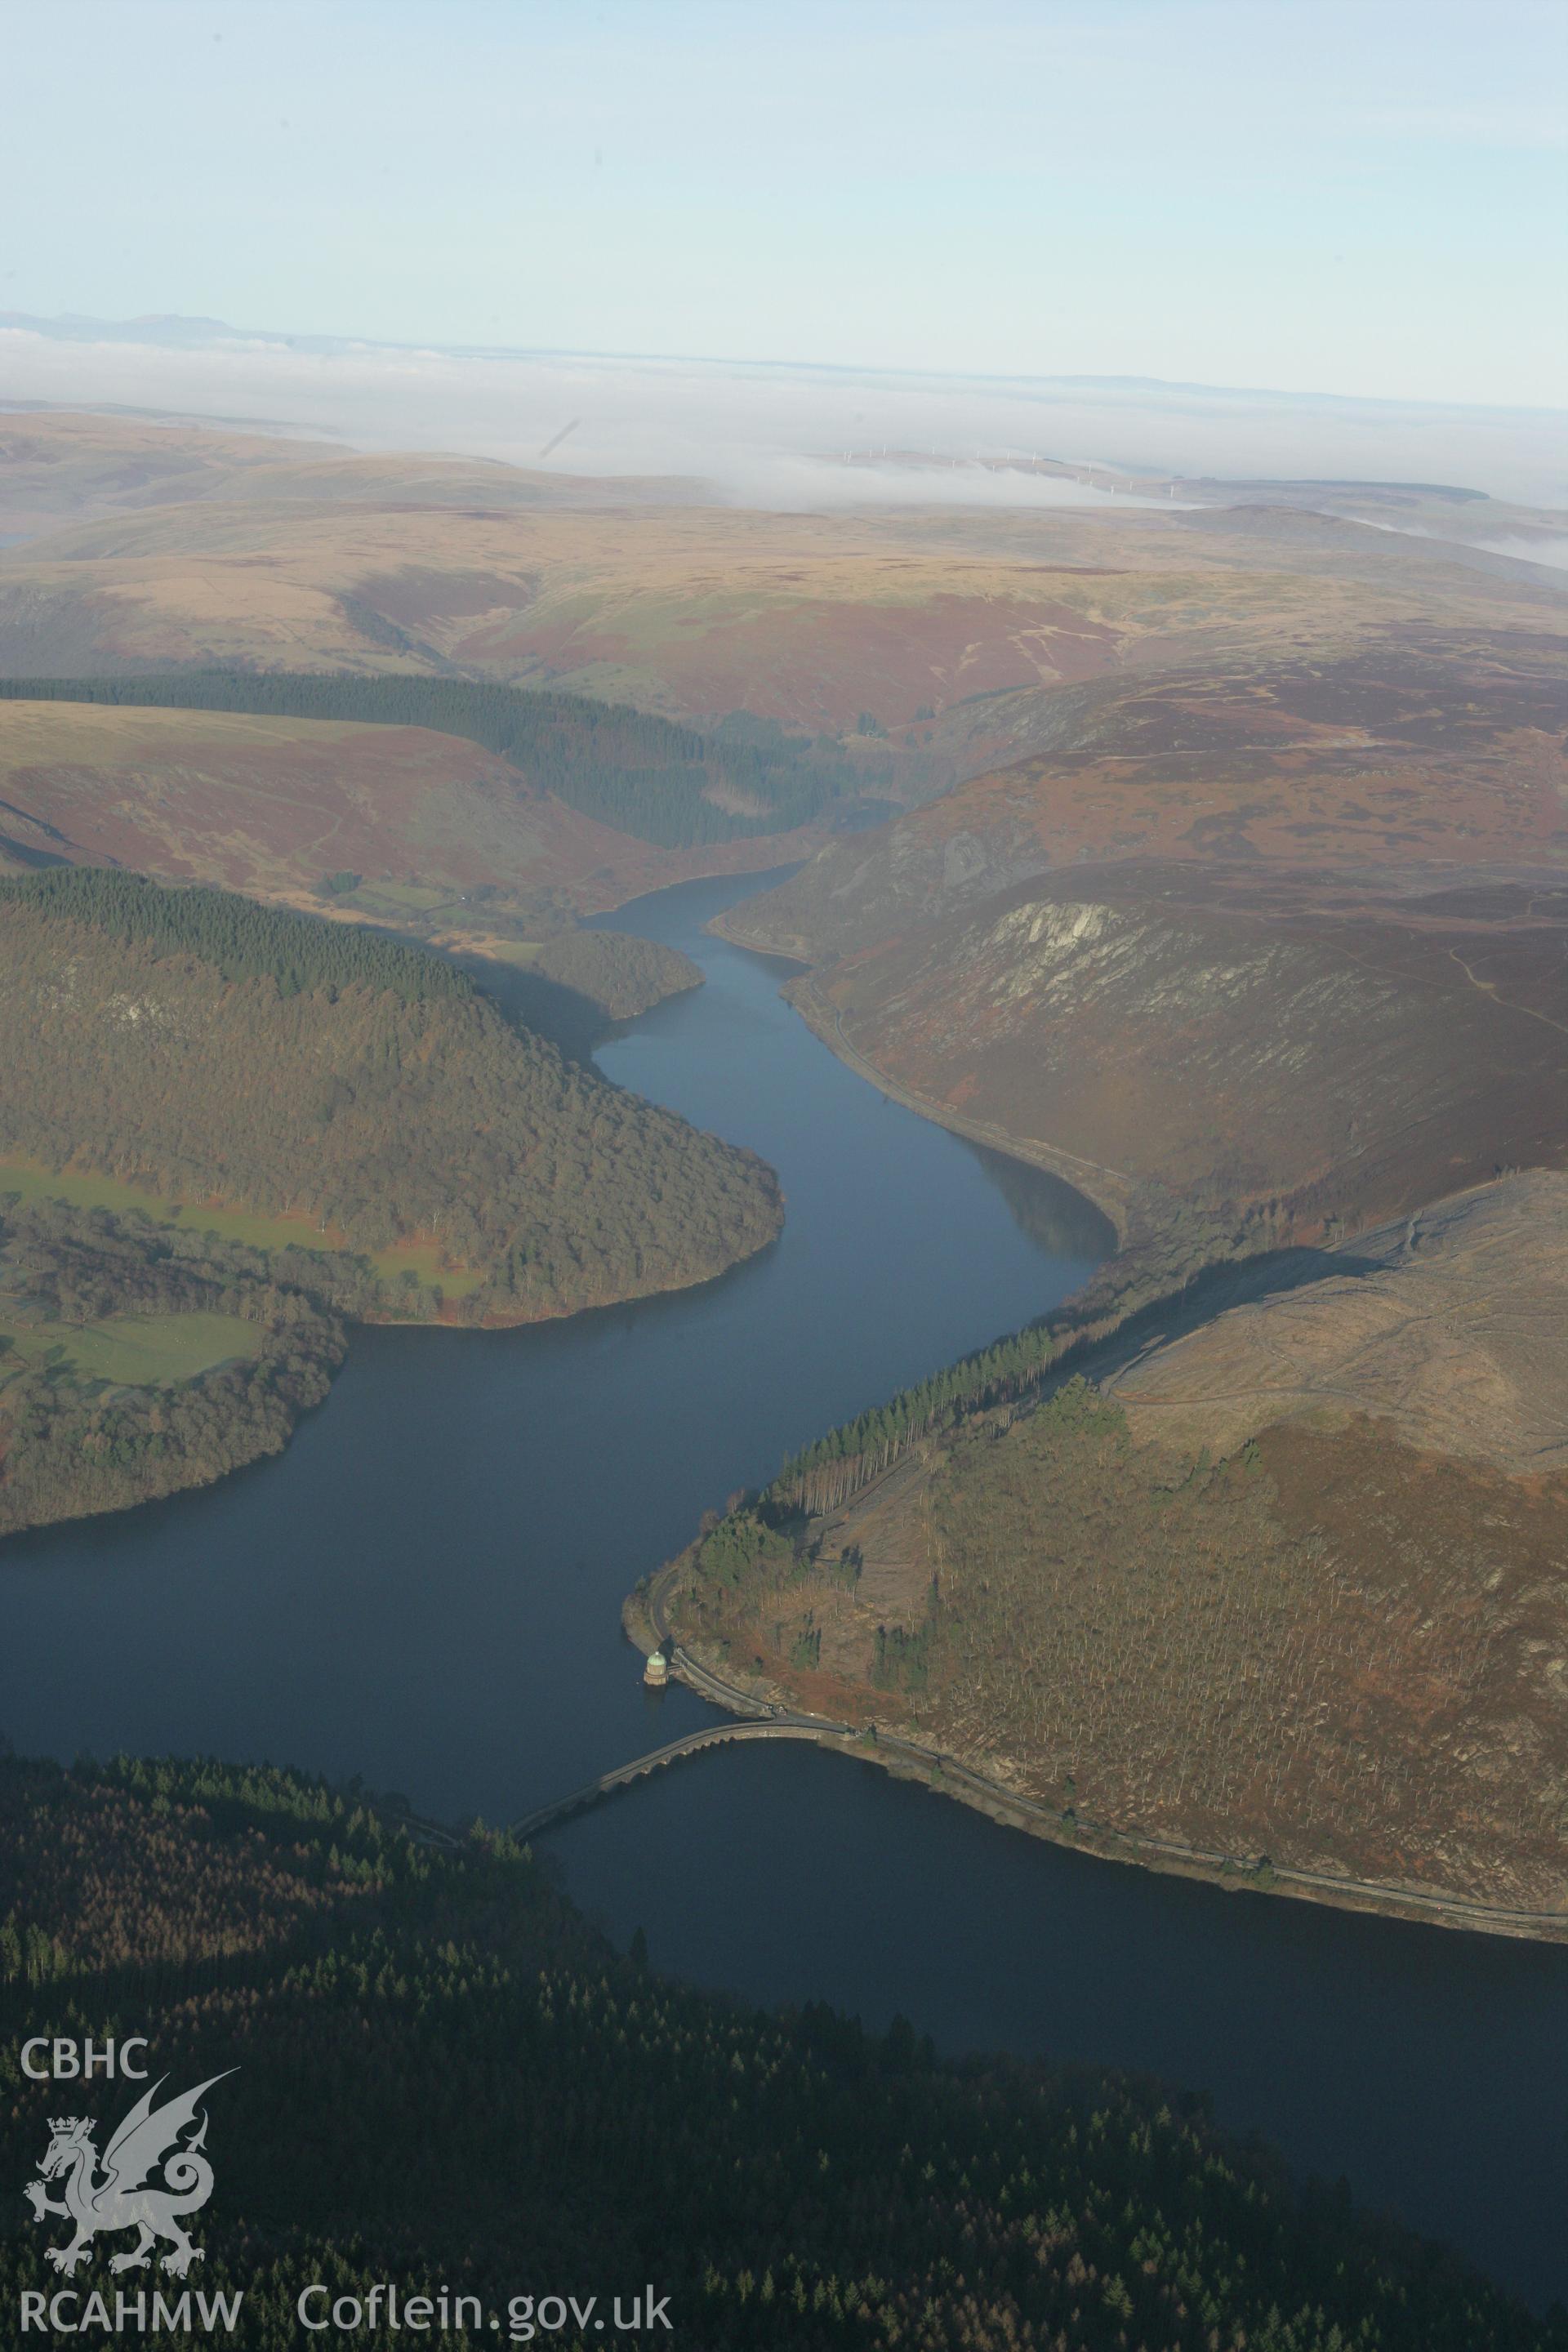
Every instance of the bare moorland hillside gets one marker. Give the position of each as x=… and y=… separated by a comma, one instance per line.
x=1240, y=1039
x=1293, y=1586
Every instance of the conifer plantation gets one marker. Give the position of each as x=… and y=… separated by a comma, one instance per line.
x=446, y=2076
x=213, y=1050
x=401, y=1149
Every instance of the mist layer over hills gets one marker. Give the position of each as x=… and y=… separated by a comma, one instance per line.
x=771, y=435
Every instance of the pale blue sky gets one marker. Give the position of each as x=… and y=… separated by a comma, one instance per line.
x=1367, y=198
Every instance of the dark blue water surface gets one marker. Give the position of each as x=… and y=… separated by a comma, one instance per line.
x=424, y=1590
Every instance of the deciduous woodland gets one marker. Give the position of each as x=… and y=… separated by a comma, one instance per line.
x=582, y=2124
x=135, y=1361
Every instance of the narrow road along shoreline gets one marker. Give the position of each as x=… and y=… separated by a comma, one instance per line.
x=1114, y=1193
x=907, y=1759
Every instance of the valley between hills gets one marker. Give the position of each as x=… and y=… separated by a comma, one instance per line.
x=1215, y=857
x=1259, y=1549
x=784, y=1176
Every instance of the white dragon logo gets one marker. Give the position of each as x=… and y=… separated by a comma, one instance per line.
x=121, y=2200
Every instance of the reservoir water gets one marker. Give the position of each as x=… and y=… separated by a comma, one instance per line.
x=424, y=1591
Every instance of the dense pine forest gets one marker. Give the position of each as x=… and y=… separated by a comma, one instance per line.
x=214, y=1051
x=240, y=939
x=622, y=976
x=447, y=2078
x=644, y=775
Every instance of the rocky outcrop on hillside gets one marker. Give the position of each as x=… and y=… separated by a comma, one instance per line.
x=1242, y=1042
x=1421, y=751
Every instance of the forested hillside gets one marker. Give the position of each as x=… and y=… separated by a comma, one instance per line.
x=135, y=1361
x=625, y=768
x=240, y=939
x=623, y=976
x=563, y=2121
x=209, y=1050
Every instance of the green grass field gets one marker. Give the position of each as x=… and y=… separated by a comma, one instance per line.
x=84, y=1189
x=129, y=1350
x=424, y=1259
x=522, y=952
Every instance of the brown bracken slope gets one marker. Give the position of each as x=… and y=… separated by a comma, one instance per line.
x=1236, y=1037
x=1294, y=1588
x=1417, y=748
x=268, y=805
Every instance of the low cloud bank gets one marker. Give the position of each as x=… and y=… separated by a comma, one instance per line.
x=779, y=436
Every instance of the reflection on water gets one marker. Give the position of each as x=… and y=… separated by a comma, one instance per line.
x=1056, y=1218
x=424, y=1589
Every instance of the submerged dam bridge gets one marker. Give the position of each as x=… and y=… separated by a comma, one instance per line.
x=750, y=1719
x=1006, y=1805
x=718, y=1735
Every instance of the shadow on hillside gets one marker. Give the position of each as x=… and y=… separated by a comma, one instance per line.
x=1246, y=1282
x=572, y=1022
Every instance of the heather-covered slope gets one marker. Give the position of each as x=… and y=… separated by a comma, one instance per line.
x=1289, y=1586
x=1417, y=748
x=398, y=824
x=1236, y=1040
x=928, y=644
x=271, y=805
x=1449, y=1327
x=620, y=768
x=59, y=466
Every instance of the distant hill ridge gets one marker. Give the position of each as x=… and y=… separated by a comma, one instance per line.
x=628, y=769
